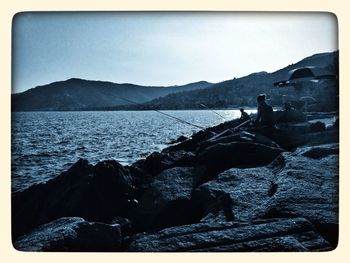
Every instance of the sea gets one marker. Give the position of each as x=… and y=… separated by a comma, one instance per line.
x=44, y=144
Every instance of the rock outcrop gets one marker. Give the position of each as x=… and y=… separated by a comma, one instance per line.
x=292, y=186
x=70, y=234
x=309, y=188
x=244, y=191
x=223, y=156
x=96, y=193
x=294, y=234
x=167, y=201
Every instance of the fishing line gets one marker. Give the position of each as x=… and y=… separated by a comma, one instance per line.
x=166, y=114
x=212, y=111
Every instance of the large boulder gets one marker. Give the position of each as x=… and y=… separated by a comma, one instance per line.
x=294, y=234
x=223, y=156
x=306, y=187
x=235, y=193
x=167, y=201
x=292, y=186
x=159, y=161
x=71, y=234
x=96, y=193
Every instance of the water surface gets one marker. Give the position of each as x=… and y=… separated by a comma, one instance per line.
x=46, y=143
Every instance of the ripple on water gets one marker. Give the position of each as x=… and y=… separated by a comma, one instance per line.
x=46, y=143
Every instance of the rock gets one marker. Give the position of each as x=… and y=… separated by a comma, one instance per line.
x=125, y=225
x=317, y=127
x=306, y=187
x=221, y=157
x=292, y=186
x=167, y=200
x=245, y=190
x=179, y=139
x=191, y=144
x=319, y=151
x=288, y=136
x=157, y=162
x=291, y=234
x=223, y=139
x=70, y=234
x=144, y=171
x=97, y=193
x=290, y=115
x=336, y=123
x=324, y=137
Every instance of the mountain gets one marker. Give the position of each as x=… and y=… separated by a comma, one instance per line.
x=243, y=91
x=79, y=94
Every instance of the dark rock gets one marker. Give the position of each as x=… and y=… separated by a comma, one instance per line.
x=70, y=234
x=223, y=139
x=215, y=209
x=319, y=151
x=144, y=171
x=294, y=234
x=290, y=115
x=323, y=137
x=157, y=162
x=125, y=225
x=200, y=137
x=291, y=186
x=97, y=193
x=309, y=188
x=336, y=123
x=167, y=200
x=247, y=189
x=317, y=127
x=288, y=136
x=180, y=139
x=191, y=144
x=221, y=157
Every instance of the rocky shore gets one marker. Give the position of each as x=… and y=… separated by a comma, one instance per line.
x=222, y=189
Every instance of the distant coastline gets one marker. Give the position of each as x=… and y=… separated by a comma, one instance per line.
x=85, y=95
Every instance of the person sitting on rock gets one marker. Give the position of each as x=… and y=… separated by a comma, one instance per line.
x=244, y=116
x=264, y=117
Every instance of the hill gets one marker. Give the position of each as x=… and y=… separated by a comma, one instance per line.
x=79, y=94
x=243, y=91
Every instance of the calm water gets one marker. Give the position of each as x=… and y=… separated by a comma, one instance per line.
x=46, y=143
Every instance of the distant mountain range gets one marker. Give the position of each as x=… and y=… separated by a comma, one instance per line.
x=78, y=94
x=242, y=92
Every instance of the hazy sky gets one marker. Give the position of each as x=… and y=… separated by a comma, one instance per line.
x=162, y=48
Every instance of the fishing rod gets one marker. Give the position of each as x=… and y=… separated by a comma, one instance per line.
x=203, y=105
x=166, y=114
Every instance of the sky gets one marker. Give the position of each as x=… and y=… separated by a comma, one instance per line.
x=162, y=48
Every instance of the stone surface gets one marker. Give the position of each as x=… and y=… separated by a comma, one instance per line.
x=221, y=157
x=157, y=162
x=167, y=200
x=292, y=186
x=247, y=190
x=309, y=188
x=96, y=193
x=318, y=152
x=319, y=138
x=71, y=234
x=294, y=234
